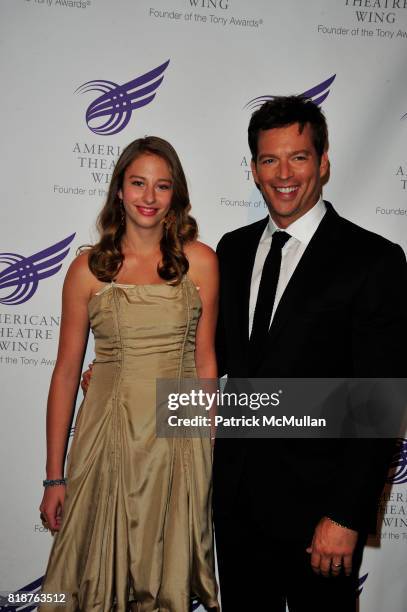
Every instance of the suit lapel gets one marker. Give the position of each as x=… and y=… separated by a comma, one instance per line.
x=313, y=264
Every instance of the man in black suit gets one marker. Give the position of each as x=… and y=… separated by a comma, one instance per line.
x=304, y=293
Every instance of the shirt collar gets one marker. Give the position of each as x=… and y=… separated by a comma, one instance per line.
x=303, y=228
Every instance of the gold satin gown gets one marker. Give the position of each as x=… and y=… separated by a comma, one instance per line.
x=137, y=521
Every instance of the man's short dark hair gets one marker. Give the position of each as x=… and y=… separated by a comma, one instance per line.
x=283, y=111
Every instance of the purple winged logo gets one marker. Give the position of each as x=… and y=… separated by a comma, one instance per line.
x=111, y=112
x=398, y=466
x=23, y=274
x=317, y=94
x=361, y=582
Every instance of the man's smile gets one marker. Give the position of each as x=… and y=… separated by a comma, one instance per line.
x=286, y=189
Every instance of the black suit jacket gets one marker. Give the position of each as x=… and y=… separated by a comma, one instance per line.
x=343, y=314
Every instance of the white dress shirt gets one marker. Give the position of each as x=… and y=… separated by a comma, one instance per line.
x=301, y=232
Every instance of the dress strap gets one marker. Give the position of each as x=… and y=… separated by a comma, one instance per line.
x=105, y=287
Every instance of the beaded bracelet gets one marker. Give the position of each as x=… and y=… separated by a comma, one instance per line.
x=53, y=483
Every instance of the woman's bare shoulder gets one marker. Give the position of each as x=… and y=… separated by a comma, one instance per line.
x=200, y=253
x=79, y=266
x=80, y=276
x=203, y=262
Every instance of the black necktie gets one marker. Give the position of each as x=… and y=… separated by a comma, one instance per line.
x=267, y=294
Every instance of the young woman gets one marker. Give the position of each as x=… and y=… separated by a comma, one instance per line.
x=133, y=517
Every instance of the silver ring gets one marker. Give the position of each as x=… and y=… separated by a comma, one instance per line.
x=337, y=564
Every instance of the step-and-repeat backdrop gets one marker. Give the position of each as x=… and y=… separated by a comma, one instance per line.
x=190, y=71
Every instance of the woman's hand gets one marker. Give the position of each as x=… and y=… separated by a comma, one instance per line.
x=52, y=506
x=86, y=376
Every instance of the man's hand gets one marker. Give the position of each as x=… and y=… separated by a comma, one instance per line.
x=86, y=376
x=332, y=548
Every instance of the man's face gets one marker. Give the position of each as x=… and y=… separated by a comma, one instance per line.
x=288, y=172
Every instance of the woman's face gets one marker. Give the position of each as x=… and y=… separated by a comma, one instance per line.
x=147, y=190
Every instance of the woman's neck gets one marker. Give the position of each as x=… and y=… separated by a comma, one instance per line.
x=141, y=241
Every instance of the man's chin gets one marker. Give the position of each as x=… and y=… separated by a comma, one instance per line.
x=285, y=215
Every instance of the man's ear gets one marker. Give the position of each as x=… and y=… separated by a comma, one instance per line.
x=254, y=172
x=324, y=164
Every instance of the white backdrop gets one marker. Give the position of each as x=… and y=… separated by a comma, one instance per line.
x=56, y=163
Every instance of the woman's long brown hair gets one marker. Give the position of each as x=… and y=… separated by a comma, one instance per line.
x=106, y=257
